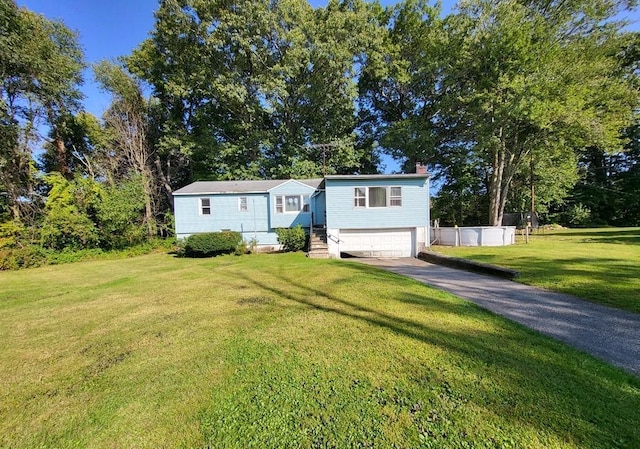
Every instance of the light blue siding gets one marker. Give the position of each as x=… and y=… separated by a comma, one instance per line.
x=319, y=207
x=225, y=214
x=289, y=219
x=342, y=213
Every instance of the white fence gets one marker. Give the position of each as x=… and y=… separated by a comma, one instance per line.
x=474, y=236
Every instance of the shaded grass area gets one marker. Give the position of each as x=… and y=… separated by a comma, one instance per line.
x=276, y=351
x=600, y=265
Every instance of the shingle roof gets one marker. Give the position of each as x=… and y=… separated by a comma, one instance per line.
x=392, y=176
x=261, y=186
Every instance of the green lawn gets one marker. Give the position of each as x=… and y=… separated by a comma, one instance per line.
x=280, y=351
x=600, y=265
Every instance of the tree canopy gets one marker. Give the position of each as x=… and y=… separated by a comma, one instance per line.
x=513, y=105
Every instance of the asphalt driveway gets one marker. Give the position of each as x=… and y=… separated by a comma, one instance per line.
x=609, y=334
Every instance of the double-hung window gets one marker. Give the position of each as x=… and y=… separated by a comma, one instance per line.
x=360, y=197
x=205, y=206
x=243, y=204
x=377, y=197
x=395, y=196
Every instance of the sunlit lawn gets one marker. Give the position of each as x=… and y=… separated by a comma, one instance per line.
x=601, y=265
x=280, y=351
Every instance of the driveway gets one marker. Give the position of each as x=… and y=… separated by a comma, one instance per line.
x=609, y=334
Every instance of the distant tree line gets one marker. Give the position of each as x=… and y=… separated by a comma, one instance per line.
x=513, y=105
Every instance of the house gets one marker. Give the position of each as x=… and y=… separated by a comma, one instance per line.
x=361, y=215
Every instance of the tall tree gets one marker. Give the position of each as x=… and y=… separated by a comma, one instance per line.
x=400, y=86
x=127, y=122
x=247, y=85
x=40, y=70
x=534, y=77
x=514, y=88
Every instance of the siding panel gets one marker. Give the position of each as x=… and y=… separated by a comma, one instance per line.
x=224, y=214
x=342, y=213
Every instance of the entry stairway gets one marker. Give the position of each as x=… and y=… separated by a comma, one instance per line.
x=318, y=248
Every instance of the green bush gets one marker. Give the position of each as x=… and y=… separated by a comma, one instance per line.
x=26, y=257
x=292, y=239
x=212, y=243
x=578, y=215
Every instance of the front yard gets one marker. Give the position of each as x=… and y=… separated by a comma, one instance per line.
x=276, y=351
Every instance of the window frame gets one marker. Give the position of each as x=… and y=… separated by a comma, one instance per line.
x=357, y=198
x=384, y=189
x=303, y=201
x=397, y=197
x=204, y=207
x=243, y=204
x=364, y=201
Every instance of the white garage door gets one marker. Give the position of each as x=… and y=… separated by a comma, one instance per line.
x=377, y=242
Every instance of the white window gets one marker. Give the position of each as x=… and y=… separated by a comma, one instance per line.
x=243, y=204
x=292, y=203
x=377, y=197
x=360, y=198
x=395, y=196
x=205, y=206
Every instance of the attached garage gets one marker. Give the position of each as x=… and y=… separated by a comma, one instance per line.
x=378, y=242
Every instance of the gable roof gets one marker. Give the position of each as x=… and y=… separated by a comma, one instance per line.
x=221, y=187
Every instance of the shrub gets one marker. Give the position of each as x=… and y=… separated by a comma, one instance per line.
x=26, y=257
x=292, y=239
x=212, y=243
x=577, y=215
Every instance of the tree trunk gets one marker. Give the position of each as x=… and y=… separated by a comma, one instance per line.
x=496, y=201
x=62, y=164
x=164, y=180
x=149, y=217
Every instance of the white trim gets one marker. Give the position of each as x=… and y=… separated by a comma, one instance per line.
x=367, y=197
x=201, y=206
x=246, y=204
x=301, y=202
x=291, y=180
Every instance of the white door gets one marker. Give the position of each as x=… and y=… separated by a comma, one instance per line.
x=378, y=242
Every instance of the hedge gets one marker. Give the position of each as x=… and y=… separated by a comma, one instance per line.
x=212, y=243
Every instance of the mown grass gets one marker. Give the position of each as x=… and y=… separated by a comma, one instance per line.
x=600, y=265
x=276, y=351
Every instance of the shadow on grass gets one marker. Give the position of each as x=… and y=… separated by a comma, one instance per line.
x=544, y=384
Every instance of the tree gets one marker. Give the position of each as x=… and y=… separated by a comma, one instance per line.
x=40, y=70
x=245, y=87
x=400, y=86
x=127, y=123
x=70, y=213
x=533, y=79
x=504, y=91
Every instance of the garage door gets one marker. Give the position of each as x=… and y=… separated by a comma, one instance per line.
x=377, y=242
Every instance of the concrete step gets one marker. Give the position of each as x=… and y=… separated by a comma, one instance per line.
x=318, y=254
